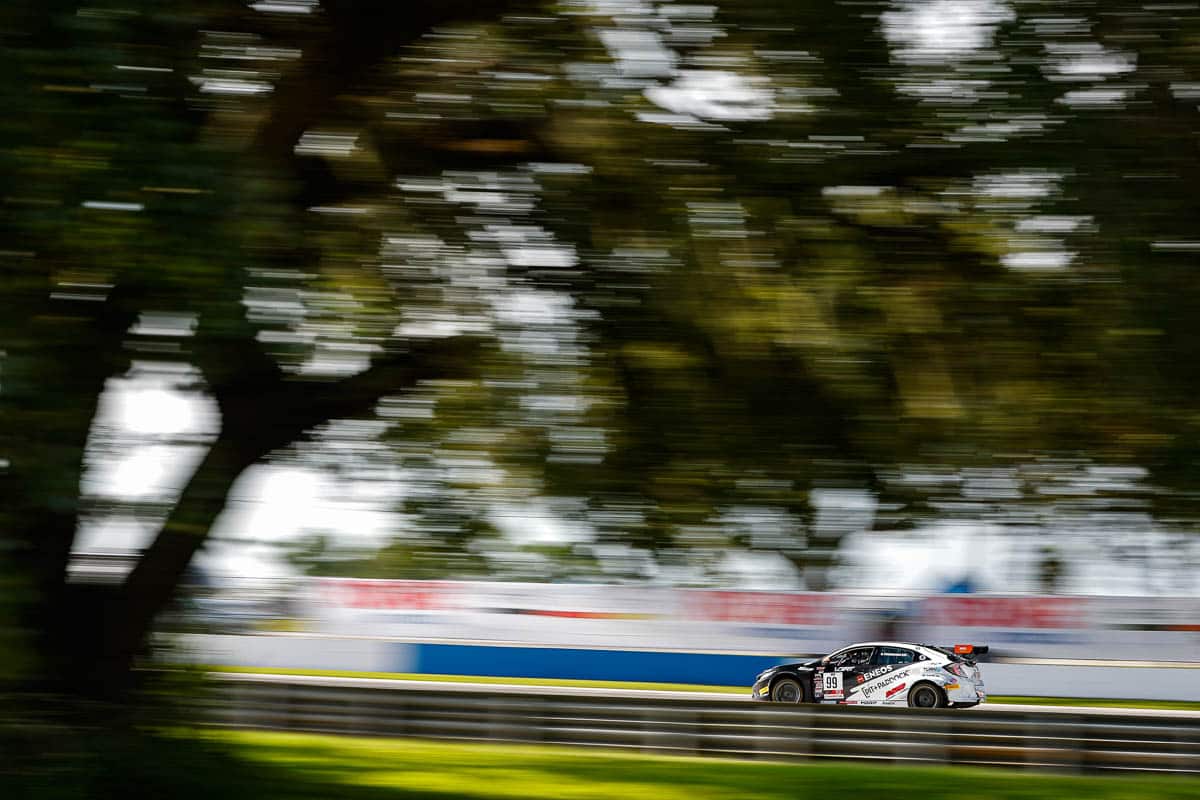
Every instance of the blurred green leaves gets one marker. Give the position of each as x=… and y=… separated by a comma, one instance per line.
x=804, y=246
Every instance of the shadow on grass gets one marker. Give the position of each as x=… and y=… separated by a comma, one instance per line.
x=147, y=765
x=500, y=771
x=487, y=772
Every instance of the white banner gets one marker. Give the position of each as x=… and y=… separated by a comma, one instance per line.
x=783, y=623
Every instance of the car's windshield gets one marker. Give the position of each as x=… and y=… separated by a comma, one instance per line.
x=852, y=656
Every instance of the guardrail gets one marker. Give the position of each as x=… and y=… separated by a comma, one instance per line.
x=690, y=725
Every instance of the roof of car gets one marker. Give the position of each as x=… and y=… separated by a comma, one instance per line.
x=885, y=644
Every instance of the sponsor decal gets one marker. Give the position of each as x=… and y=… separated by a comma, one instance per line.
x=859, y=678
x=542, y=612
x=388, y=595
x=1006, y=612
x=782, y=608
x=872, y=689
x=875, y=673
x=895, y=690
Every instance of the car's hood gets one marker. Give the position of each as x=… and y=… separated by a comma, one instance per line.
x=799, y=664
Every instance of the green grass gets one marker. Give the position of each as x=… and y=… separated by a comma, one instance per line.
x=1182, y=705
x=1176, y=705
x=309, y=766
x=254, y=765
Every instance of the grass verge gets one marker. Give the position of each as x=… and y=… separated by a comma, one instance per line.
x=1093, y=702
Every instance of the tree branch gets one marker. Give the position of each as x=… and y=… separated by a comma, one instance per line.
x=254, y=425
x=261, y=409
x=363, y=33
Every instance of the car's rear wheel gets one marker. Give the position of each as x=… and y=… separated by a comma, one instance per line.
x=787, y=690
x=926, y=695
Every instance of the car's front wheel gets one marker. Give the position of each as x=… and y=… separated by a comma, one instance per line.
x=787, y=690
x=926, y=695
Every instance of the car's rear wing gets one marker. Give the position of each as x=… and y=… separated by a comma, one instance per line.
x=969, y=652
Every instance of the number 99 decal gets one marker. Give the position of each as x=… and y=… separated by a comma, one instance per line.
x=831, y=682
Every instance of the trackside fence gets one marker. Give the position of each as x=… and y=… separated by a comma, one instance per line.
x=710, y=726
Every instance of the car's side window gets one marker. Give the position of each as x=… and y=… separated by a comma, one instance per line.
x=852, y=658
x=895, y=655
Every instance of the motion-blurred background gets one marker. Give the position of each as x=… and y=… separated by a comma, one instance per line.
x=751, y=327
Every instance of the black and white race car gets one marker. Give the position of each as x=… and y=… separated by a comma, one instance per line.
x=880, y=673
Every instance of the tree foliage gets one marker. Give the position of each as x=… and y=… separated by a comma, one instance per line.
x=666, y=268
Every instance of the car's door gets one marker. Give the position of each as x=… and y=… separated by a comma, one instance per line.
x=890, y=675
x=840, y=673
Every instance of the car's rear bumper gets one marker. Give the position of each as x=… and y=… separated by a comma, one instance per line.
x=965, y=691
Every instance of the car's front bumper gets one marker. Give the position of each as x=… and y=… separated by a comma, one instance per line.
x=761, y=690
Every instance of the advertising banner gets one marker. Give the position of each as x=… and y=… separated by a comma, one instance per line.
x=730, y=621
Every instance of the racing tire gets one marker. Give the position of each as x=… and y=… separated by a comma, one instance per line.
x=787, y=690
x=926, y=695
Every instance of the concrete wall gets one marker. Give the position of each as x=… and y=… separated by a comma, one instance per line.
x=612, y=665
x=302, y=651
x=281, y=651
x=1056, y=680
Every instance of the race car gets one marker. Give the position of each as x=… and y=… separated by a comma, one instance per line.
x=880, y=673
